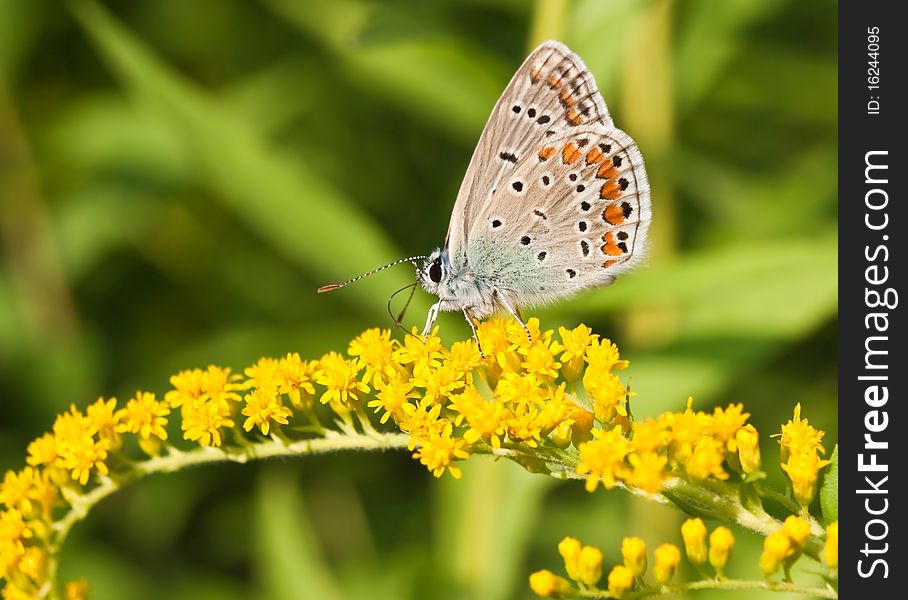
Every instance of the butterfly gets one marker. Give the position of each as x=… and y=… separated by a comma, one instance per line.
x=555, y=199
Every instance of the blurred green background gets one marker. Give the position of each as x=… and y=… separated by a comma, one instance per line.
x=178, y=176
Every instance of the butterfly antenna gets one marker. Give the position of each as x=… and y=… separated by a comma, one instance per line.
x=334, y=286
x=400, y=317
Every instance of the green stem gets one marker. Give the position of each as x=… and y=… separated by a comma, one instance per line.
x=717, y=584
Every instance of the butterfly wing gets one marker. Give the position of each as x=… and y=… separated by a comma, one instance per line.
x=572, y=214
x=552, y=91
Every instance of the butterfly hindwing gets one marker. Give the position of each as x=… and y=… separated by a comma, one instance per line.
x=551, y=93
x=572, y=215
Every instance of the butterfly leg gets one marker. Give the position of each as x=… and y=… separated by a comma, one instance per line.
x=469, y=316
x=430, y=320
x=516, y=314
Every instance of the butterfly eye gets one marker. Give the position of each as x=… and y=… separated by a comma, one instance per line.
x=435, y=271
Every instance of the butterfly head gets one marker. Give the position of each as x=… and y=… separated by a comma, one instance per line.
x=435, y=271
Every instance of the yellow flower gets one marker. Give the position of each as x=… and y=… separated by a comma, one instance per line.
x=548, y=585
x=798, y=436
x=517, y=335
x=726, y=423
x=555, y=409
x=538, y=360
x=202, y=422
x=105, y=417
x=797, y=530
x=602, y=355
x=423, y=422
x=44, y=492
x=439, y=383
x=706, y=460
x=522, y=391
x=776, y=548
x=295, y=377
x=76, y=590
x=439, y=450
x=33, y=563
x=493, y=335
x=394, y=398
x=607, y=393
x=464, y=358
x=633, y=552
x=375, y=350
x=262, y=407
x=145, y=416
x=693, y=531
x=487, y=419
x=574, y=343
x=603, y=458
x=12, y=592
x=647, y=471
x=220, y=386
x=526, y=428
x=72, y=425
x=569, y=548
x=831, y=547
x=802, y=469
x=13, y=526
x=16, y=489
x=650, y=435
x=421, y=353
x=581, y=425
x=339, y=376
x=667, y=558
x=748, y=442
x=721, y=543
x=686, y=429
x=620, y=580
x=265, y=373
x=589, y=566
x=42, y=451
x=80, y=456
x=187, y=387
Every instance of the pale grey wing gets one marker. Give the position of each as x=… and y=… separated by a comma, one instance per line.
x=572, y=215
x=551, y=92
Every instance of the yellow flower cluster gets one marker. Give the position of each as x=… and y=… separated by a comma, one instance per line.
x=784, y=546
x=555, y=396
x=583, y=565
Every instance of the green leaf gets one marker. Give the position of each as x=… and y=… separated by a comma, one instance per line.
x=829, y=493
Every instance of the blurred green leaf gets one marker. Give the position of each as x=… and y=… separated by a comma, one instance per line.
x=829, y=492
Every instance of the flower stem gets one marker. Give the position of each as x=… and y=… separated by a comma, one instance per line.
x=718, y=584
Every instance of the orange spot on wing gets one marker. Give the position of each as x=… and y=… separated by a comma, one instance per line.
x=554, y=82
x=607, y=170
x=535, y=75
x=570, y=154
x=573, y=117
x=594, y=156
x=610, y=247
x=613, y=214
x=546, y=153
x=608, y=263
x=566, y=98
x=610, y=190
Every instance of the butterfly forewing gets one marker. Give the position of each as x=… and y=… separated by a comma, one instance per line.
x=553, y=92
x=573, y=214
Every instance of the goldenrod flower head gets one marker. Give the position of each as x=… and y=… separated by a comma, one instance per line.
x=419, y=353
x=633, y=552
x=686, y=429
x=487, y=419
x=45, y=492
x=202, y=422
x=589, y=565
x=340, y=377
x=422, y=422
x=526, y=428
x=667, y=558
x=81, y=455
x=539, y=360
x=439, y=450
x=187, y=387
x=620, y=580
x=393, y=397
x=523, y=391
x=12, y=592
x=706, y=460
x=725, y=423
x=582, y=422
x=375, y=350
x=602, y=355
x=13, y=527
x=33, y=563
x=574, y=343
x=693, y=531
x=569, y=548
x=647, y=471
x=439, y=383
x=104, y=418
x=76, y=590
x=798, y=436
x=464, y=358
x=548, y=585
x=42, y=451
x=607, y=393
x=220, y=385
x=263, y=406
x=493, y=335
x=803, y=469
x=721, y=543
x=15, y=490
x=776, y=548
x=517, y=335
x=265, y=373
x=144, y=416
x=603, y=457
x=295, y=377
x=650, y=435
x=72, y=425
x=748, y=441
x=831, y=547
x=797, y=530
